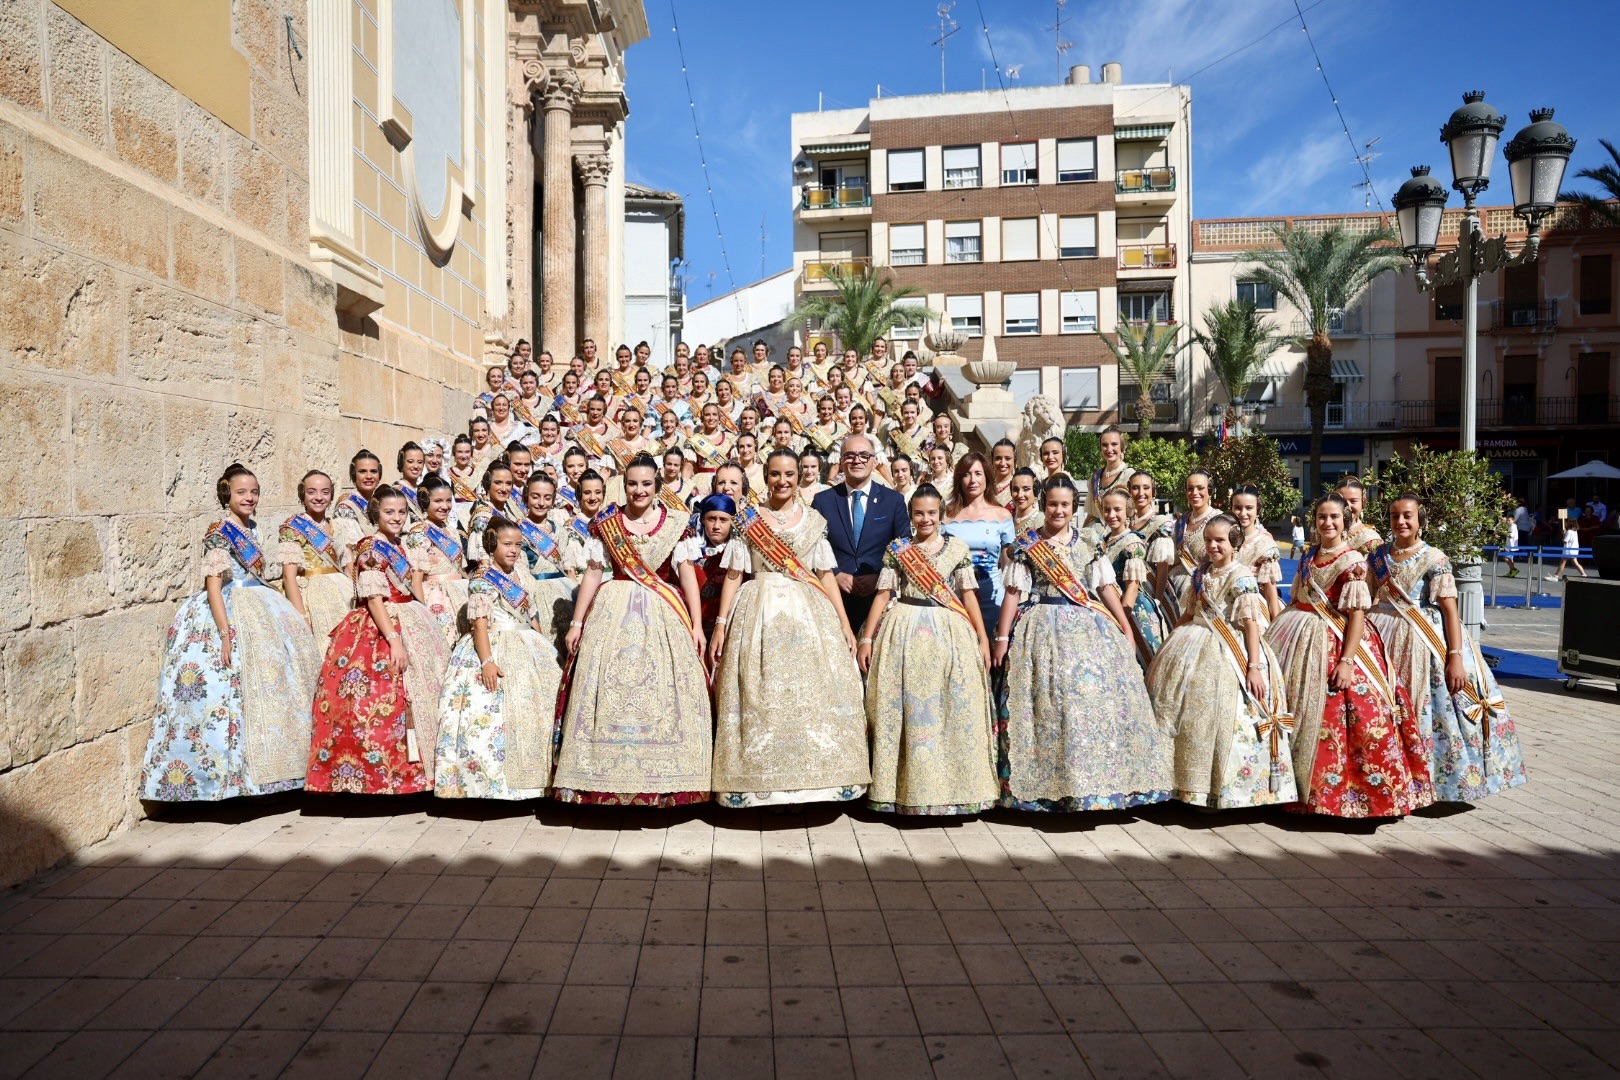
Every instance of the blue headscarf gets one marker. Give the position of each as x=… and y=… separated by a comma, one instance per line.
x=717, y=503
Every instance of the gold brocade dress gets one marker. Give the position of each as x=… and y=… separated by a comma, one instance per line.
x=444, y=588
x=791, y=722
x=928, y=699
x=327, y=592
x=1189, y=541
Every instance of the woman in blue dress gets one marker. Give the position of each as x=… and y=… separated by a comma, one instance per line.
x=239, y=669
x=1126, y=551
x=983, y=526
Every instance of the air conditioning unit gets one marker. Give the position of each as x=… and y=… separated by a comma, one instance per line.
x=1522, y=317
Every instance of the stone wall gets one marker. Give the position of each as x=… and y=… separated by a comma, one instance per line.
x=159, y=318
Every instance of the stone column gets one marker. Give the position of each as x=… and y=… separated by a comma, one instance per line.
x=518, y=319
x=557, y=261
x=594, y=170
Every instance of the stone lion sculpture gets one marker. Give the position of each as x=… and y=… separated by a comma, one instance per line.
x=1042, y=420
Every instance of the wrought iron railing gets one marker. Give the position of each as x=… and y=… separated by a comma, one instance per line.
x=1396, y=416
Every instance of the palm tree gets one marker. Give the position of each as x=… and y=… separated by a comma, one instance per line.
x=1142, y=357
x=1238, y=342
x=1322, y=274
x=860, y=309
x=1603, y=207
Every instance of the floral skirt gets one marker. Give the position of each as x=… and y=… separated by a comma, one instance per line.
x=446, y=598
x=222, y=732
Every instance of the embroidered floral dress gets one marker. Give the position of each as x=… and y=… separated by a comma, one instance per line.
x=551, y=593
x=218, y=731
x=636, y=729
x=1075, y=727
x=478, y=523
x=1357, y=752
x=444, y=588
x=1227, y=753
x=1471, y=740
x=1127, y=554
x=326, y=590
x=1363, y=537
x=1102, y=484
x=1259, y=552
x=928, y=704
x=362, y=711
x=498, y=744
x=1189, y=540
x=349, y=526
x=791, y=721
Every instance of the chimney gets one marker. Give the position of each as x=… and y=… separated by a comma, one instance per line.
x=1079, y=75
x=1113, y=73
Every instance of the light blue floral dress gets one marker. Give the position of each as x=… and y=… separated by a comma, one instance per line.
x=219, y=731
x=1127, y=554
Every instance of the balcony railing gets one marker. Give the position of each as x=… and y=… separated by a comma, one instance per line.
x=843, y=197
x=1147, y=256
x=1509, y=315
x=1404, y=416
x=820, y=271
x=1341, y=322
x=1139, y=181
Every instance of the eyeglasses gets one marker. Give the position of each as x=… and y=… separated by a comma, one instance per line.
x=859, y=455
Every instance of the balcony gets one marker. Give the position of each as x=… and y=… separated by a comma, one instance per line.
x=1158, y=185
x=1510, y=315
x=1340, y=324
x=1395, y=417
x=818, y=274
x=824, y=201
x=1147, y=256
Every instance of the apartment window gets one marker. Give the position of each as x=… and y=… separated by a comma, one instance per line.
x=1257, y=294
x=1076, y=160
x=1021, y=313
x=1142, y=307
x=1018, y=163
x=1024, y=385
x=961, y=166
x=908, y=333
x=1082, y=389
x=907, y=245
x=1019, y=239
x=1448, y=303
x=966, y=314
x=963, y=242
x=1078, y=312
x=1077, y=237
x=905, y=170
x=1597, y=284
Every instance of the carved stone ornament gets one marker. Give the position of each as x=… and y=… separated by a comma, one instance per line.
x=562, y=89
x=534, y=76
x=593, y=168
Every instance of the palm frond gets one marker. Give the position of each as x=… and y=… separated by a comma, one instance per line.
x=1238, y=340
x=860, y=309
x=1603, y=206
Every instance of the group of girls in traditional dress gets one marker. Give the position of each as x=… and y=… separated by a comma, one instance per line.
x=607, y=618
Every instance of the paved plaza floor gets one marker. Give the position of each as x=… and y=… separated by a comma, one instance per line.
x=343, y=937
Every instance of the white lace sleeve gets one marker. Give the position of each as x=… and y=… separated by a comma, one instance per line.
x=688, y=550
x=289, y=551
x=416, y=555
x=888, y=580
x=1135, y=570
x=372, y=583
x=596, y=556
x=1100, y=573
x=822, y=557
x=1268, y=572
x=216, y=562
x=1355, y=597
x=1444, y=586
x=1249, y=607
x=1161, y=551
x=1016, y=578
x=479, y=606
x=736, y=556
x=966, y=579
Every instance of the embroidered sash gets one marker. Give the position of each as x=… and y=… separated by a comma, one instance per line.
x=925, y=575
x=633, y=401
x=892, y=400
x=446, y=542
x=412, y=500
x=795, y=419
x=589, y=442
x=621, y=549
x=581, y=527
x=568, y=496
x=671, y=498
x=525, y=413
x=709, y=455
x=1057, y=570
x=622, y=452
x=537, y=538
x=567, y=410
x=315, y=536
x=1383, y=568
x=728, y=422
x=243, y=546
x=776, y=551
x=462, y=488
x=623, y=381
x=1272, y=723
x=395, y=557
x=663, y=409
x=358, y=505
x=1363, y=658
x=762, y=404
x=905, y=444
x=1183, y=526
x=1484, y=703
x=512, y=592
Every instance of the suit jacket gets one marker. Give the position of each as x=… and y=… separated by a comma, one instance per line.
x=886, y=520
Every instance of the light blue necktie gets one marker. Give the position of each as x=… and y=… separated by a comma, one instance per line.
x=857, y=516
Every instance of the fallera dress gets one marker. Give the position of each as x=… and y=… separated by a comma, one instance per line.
x=1075, y=725
x=363, y=714
x=440, y=554
x=327, y=591
x=350, y=525
x=1259, y=552
x=1471, y=741
x=498, y=744
x=1189, y=541
x=551, y=594
x=1127, y=555
x=1357, y=752
x=1231, y=751
x=928, y=704
x=636, y=729
x=218, y=731
x=1363, y=537
x=791, y=721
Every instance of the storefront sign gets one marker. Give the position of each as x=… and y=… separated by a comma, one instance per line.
x=1337, y=445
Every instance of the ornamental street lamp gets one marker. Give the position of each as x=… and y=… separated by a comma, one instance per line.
x=1536, y=159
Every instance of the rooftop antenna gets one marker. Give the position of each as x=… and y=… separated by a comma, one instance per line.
x=1062, y=46
x=947, y=28
x=710, y=285
x=762, y=247
x=1013, y=70
x=1365, y=158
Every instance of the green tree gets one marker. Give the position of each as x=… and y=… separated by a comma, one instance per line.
x=1082, y=454
x=1251, y=460
x=860, y=309
x=1322, y=274
x=1463, y=497
x=1143, y=357
x=1238, y=340
x=1168, y=461
x=1602, y=206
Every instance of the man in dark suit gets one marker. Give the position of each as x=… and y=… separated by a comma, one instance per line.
x=862, y=518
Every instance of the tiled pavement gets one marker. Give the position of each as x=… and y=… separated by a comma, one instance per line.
x=339, y=937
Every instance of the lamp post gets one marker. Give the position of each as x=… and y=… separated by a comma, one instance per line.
x=1536, y=159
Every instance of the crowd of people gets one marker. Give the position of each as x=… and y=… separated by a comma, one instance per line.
x=769, y=584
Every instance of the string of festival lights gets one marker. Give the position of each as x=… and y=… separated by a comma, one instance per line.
x=1356, y=153
x=703, y=160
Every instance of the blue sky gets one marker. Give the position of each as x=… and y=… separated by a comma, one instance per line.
x=1266, y=138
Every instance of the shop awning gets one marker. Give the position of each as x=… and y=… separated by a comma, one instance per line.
x=1274, y=371
x=1347, y=371
x=823, y=149
x=1141, y=132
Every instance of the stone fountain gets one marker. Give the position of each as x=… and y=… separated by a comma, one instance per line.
x=989, y=412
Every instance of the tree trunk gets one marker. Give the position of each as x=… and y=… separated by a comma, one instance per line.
x=1145, y=410
x=1318, y=388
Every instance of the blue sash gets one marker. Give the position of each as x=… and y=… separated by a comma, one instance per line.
x=317, y=537
x=445, y=542
x=510, y=590
x=538, y=539
x=243, y=546
x=568, y=495
x=359, y=505
x=410, y=492
x=582, y=527
x=396, y=558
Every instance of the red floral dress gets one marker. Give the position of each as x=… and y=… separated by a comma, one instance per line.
x=1360, y=750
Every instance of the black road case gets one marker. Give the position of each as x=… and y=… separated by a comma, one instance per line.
x=1589, y=635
